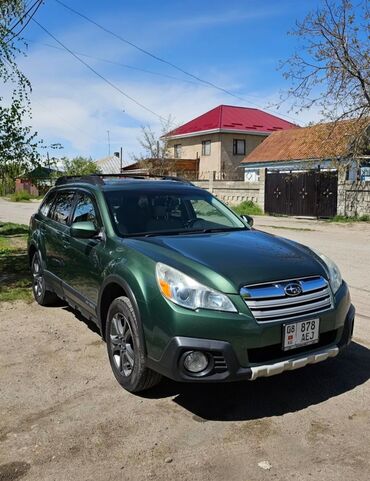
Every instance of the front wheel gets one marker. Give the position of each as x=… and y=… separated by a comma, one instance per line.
x=40, y=293
x=125, y=348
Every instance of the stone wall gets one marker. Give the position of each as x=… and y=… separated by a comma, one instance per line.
x=353, y=198
x=235, y=192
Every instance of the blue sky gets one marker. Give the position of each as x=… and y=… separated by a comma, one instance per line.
x=236, y=44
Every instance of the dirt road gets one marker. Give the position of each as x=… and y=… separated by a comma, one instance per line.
x=63, y=416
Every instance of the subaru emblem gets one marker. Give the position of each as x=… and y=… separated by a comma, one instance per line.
x=293, y=289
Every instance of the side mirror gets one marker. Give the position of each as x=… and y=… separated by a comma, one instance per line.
x=248, y=219
x=83, y=230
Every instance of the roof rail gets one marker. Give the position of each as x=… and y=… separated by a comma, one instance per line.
x=98, y=179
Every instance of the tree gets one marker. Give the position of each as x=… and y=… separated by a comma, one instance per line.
x=79, y=166
x=18, y=144
x=331, y=69
x=156, y=156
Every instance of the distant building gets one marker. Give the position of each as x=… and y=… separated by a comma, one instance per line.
x=110, y=164
x=38, y=181
x=222, y=137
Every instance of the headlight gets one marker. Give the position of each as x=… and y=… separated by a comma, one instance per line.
x=335, y=277
x=187, y=292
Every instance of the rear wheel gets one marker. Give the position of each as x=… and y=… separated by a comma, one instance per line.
x=125, y=348
x=41, y=295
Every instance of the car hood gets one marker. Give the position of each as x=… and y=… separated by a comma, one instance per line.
x=230, y=260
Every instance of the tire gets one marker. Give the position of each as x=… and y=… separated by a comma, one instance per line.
x=126, y=349
x=41, y=295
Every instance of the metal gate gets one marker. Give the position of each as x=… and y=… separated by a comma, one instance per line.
x=312, y=193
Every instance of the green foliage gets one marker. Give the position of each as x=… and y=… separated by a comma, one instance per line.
x=15, y=274
x=20, y=196
x=247, y=208
x=79, y=166
x=10, y=229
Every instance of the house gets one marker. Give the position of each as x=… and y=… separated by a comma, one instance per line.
x=110, y=164
x=318, y=171
x=326, y=145
x=222, y=137
x=186, y=168
x=38, y=181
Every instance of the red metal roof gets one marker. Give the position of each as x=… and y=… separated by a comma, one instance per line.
x=229, y=117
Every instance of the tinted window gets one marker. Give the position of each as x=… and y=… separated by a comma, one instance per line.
x=152, y=212
x=46, y=204
x=62, y=207
x=85, y=210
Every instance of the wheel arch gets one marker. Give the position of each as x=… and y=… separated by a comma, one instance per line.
x=114, y=286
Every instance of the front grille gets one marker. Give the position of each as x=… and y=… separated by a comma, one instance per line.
x=275, y=352
x=270, y=302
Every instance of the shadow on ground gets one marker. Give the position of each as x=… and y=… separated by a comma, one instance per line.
x=274, y=396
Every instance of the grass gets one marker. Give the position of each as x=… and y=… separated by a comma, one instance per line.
x=345, y=219
x=15, y=277
x=247, y=207
x=23, y=196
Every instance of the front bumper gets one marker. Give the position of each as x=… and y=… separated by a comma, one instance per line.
x=224, y=364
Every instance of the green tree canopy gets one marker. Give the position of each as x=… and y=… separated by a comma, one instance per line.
x=79, y=166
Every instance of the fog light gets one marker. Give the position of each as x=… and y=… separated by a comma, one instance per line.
x=195, y=361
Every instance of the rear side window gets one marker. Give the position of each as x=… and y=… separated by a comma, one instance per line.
x=85, y=210
x=46, y=204
x=62, y=207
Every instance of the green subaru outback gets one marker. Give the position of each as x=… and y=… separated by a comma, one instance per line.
x=181, y=286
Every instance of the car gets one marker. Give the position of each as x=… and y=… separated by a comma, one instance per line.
x=182, y=287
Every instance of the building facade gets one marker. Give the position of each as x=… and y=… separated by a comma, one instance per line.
x=222, y=137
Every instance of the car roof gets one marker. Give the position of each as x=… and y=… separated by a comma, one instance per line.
x=124, y=182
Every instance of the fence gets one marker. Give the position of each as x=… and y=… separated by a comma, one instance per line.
x=234, y=191
x=353, y=198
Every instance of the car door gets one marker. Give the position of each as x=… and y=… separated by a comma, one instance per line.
x=56, y=235
x=86, y=254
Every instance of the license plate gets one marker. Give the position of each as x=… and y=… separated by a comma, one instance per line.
x=300, y=334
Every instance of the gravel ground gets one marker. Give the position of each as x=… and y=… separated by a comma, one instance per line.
x=64, y=417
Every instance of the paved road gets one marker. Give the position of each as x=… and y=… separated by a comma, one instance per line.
x=18, y=212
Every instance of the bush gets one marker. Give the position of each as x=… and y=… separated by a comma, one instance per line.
x=20, y=196
x=247, y=207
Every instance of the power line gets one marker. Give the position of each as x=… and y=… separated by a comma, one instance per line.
x=29, y=18
x=162, y=60
x=98, y=74
x=112, y=62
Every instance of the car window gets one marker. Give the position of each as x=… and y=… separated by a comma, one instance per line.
x=85, y=210
x=208, y=212
x=148, y=212
x=62, y=207
x=46, y=204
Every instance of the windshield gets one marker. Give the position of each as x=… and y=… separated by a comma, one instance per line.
x=152, y=212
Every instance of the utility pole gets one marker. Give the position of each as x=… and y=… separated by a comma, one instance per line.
x=108, y=142
x=121, y=161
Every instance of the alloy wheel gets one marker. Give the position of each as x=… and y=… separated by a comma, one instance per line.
x=121, y=344
x=38, y=279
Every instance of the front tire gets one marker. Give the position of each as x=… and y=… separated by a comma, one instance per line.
x=41, y=294
x=125, y=348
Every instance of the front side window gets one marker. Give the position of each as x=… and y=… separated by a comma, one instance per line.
x=177, y=151
x=85, y=210
x=206, y=147
x=62, y=207
x=154, y=212
x=239, y=147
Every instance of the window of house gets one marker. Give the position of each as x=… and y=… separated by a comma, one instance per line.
x=239, y=147
x=206, y=147
x=177, y=151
